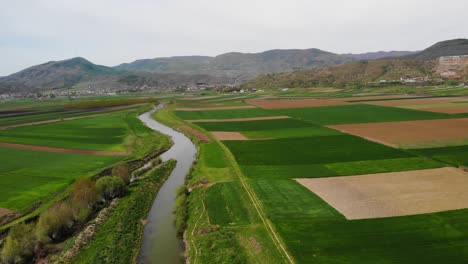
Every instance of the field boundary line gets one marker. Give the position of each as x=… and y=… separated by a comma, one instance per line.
x=258, y=206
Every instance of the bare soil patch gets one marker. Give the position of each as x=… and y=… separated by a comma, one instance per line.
x=293, y=103
x=447, y=110
x=200, y=135
x=4, y=211
x=215, y=108
x=422, y=101
x=63, y=150
x=377, y=97
x=229, y=135
x=396, y=133
x=394, y=193
x=239, y=119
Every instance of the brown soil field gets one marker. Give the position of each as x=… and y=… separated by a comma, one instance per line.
x=200, y=135
x=239, y=119
x=228, y=135
x=447, y=110
x=293, y=103
x=215, y=108
x=4, y=211
x=423, y=101
x=197, y=98
x=63, y=150
x=395, y=133
x=393, y=194
x=377, y=97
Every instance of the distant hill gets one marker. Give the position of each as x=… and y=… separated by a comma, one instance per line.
x=57, y=74
x=239, y=66
x=444, y=48
x=276, y=68
x=432, y=62
x=381, y=55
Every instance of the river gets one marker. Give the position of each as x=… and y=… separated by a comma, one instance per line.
x=160, y=242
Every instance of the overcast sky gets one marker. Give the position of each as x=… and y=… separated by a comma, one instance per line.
x=110, y=32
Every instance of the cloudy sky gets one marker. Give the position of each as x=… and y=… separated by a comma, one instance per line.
x=110, y=32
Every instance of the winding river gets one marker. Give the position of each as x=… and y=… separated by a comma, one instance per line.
x=160, y=242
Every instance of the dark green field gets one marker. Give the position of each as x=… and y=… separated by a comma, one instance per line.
x=456, y=156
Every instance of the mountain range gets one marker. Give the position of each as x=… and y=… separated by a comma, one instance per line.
x=447, y=60
x=227, y=68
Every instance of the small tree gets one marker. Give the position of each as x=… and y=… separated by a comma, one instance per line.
x=110, y=187
x=19, y=244
x=54, y=222
x=122, y=170
x=84, y=193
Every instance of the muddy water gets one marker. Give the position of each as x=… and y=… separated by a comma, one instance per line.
x=160, y=242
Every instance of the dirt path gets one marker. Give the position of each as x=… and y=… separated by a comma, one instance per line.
x=239, y=119
x=64, y=150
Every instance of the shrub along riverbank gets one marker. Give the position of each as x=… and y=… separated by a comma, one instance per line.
x=118, y=239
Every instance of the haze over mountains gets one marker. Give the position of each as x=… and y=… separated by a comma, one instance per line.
x=229, y=68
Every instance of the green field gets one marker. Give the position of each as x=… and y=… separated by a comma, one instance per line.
x=95, y=133
x=315, y=232
x=456, y=156
x=26, y=176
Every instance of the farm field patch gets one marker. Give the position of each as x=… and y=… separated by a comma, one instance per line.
x=456, y=109
x=228, y=135
x=313, y=230
x=238, y=119
x=311, y=150
x=254, y=125
x=376, y=97
x=225, y=114
x=95, y=133
x=27, y=176
x=454, y=155
x=358, y=113
x=64, y=150
x=423, y=101
x=411, y=133
x=275, y=172
x=215, y=108
x=292, y=103
x=393, y=193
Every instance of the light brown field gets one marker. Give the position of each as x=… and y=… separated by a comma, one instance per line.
x=228, y=135
x=422, y=101
x=64, y=150
x=198, y=134
x=239, y=119
x=377, y=97
x=293, y=103
x=215, y=108
x=396, y=133
x=447, y=110
x=4, y=211
x=394, y=193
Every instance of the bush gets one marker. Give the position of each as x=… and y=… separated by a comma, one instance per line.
x=19, y=244
x=84, y=193
x=110, y=187
x=54, y=223
x=122, y=170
